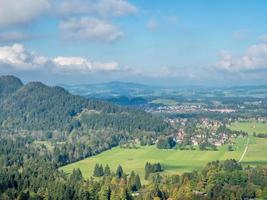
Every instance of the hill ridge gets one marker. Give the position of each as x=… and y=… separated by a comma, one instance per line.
x=36, y=106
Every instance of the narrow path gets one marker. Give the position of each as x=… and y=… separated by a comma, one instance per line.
x=245, y=151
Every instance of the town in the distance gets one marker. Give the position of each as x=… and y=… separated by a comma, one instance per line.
x=131, y=141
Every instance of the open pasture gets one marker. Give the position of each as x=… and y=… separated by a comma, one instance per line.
x=172, y=161
x=257, y=149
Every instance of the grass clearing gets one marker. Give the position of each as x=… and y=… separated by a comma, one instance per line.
x=172, y=161
x=177, y=161
x=166, y=102
x=250, y=127
x=257, y=148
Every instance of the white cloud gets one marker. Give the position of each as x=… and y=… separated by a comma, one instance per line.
x=92, y=26
x=82, y=65
x=90, y=29
x=116, y=7
x=102, y=8
x=255, y=58
x=152, y=25
x=14, y=12
x=18, y=58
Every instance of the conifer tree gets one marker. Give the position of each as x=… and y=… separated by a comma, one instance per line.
x=137, y=182
x=96, y=170
x=119, y=172
x=101, y=171
x=107, y=171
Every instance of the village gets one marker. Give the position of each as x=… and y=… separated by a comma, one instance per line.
x=205, y=131
x=187, y=109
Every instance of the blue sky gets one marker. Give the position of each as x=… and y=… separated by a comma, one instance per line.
x=183, y=42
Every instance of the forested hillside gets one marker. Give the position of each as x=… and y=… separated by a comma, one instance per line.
x=35, y=106
x=8, y=85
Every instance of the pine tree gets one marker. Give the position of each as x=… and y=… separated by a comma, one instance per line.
x=101, y=171
x=137, y=181
x=107, y=171
x=96, y=170
x=134, y=183
x=131, y=182
x=147, y=170
x=119, y=172
x=76, y=175
x=157, y=167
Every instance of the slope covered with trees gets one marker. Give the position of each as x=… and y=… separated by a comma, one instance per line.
x=8, y=85
x=35, y=106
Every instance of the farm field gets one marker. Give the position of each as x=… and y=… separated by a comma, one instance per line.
x=257, y=148
x=172, y=161
x=250, y=127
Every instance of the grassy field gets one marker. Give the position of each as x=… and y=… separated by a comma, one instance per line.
x=172, y=161
x=177, y=161
x=257, y=148
x=250, y=127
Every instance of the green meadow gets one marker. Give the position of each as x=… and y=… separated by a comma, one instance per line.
x=257, y=148
x=250, y=127
x=172, y=161
x=177, y=161
x=166, y=102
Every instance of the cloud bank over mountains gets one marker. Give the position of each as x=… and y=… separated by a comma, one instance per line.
x=17, y=57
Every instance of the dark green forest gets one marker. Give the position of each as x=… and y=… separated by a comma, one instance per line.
x=35, y=106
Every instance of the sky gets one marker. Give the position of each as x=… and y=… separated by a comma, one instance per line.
x=160, y=42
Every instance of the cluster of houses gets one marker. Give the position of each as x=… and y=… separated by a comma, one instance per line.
x=174, y=121
x=225, y=110
x=258, y=119
x=215, y=138
x=197, y=138
x=175, y=109
x=206, y=122
x=187, y=109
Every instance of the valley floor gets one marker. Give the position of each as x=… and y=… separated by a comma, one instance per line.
x=173, y=161
x=250, y=151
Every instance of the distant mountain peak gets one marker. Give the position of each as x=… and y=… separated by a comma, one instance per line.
x=10, y=79
x=9, y=84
